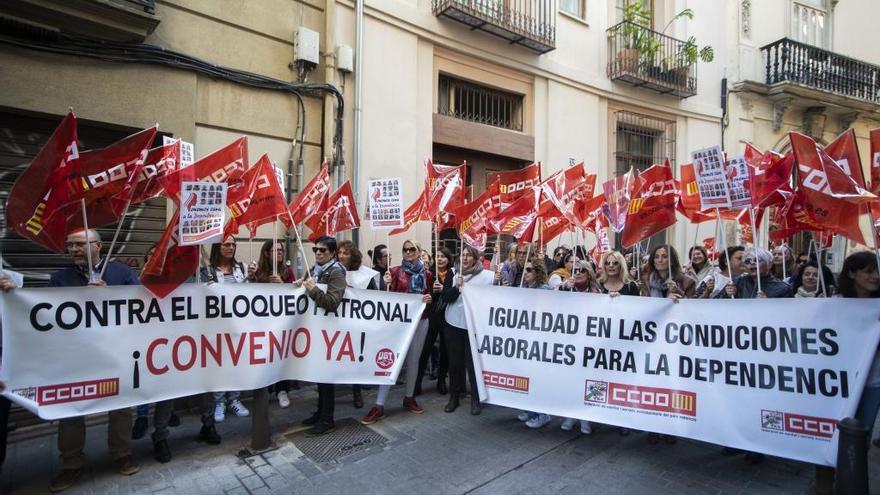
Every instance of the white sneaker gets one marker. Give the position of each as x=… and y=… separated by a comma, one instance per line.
x=539, y=421
x=568, y=424
x=283, y=400
x=523, y=416
x=219, y=412
x=586, y=428
x=238, y=409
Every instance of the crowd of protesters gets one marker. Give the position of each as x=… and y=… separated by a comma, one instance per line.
x=440, y=347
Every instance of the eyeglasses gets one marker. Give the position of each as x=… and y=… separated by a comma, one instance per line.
x=612, y=263
x=409, y=250
x=749, y=261
x=578, y=271
x=80, y=245
x=319, y=249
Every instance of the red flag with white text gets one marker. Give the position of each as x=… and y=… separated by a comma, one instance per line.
x=171, y=264
x=652, y=208
x=518, y=219
x=161, y=161
x=228, y=164
x=341, y=214
x=444, y=189
x=411, y=215
x=313, y=197
x=513, y=184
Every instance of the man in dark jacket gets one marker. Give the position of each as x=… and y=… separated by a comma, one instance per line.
x=83, y=246
x=746, y=286
x=326, y=271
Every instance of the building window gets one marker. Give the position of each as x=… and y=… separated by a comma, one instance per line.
x=810, y=23
x=647, y=5
x=642, y=141
x=481, y=104
x=576, y=8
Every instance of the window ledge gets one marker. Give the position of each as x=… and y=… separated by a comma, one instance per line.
x=575, y=18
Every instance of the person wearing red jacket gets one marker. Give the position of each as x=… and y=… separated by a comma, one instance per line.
x=411, y=277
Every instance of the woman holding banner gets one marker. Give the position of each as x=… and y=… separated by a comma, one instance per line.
x=615, y=276
x=225, y=269
x=357, y=276
x=535, y=277
x=436, y=322
x=271, y=269
x=455, y=332
x=663, y=277
x=411, y=277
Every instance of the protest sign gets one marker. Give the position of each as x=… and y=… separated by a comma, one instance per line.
x=202, y=213
x=771, y=376
x=737, y=174
x=711, y=181
x=74, y=351
x=385, y=203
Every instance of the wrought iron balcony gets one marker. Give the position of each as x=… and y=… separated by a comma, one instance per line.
x=793, y=62
x=643, y=57
x=530, y=23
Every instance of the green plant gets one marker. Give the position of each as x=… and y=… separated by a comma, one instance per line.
x=689, y=52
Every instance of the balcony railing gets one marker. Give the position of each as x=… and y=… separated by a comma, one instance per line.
x=789, y=61
x=643, y=57
x=530, y=23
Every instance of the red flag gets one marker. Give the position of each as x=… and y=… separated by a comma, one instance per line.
x=313, y=197
x=44, y=187
x=411, y=215
x=108, y=178
x=474, y=217
x=171, y=264
x=341, y=214
x=689, y=196
x=444, y=189
x=709, y=245
x=791, y=218
x=160, y=162
x=267, y=202
x=745, y=222
x=552, y=221
x=228, y=164
x=653, y=207
x=515, y=183
x=518, y=219
x=618, y=192
x=845, y=152
x=875, y=161
x=771, y=176
x=568, y=187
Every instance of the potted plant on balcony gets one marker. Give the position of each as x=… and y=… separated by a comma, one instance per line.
x=676, y=66
x=633, y=32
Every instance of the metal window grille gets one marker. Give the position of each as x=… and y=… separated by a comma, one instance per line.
x=642, y=141
x=481, y=104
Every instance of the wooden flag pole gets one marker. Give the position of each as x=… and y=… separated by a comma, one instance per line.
x=724, y=248
x=387, y=263
x=115, y=236
x=528, y=251
x=819, y=264
x=301, y=249
x=82, y=203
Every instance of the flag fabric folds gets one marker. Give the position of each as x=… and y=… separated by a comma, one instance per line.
x=340, y=215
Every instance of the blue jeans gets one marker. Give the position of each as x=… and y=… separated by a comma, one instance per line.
x=869, y=404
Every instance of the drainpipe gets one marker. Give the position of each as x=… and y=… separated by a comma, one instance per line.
x=330, y=78
x=358, y=103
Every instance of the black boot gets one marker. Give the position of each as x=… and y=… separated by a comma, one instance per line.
x=208, y=434
x=140, y=428
x=161, y=452
x=476, y=407
x=441, y=386
x=452, y=405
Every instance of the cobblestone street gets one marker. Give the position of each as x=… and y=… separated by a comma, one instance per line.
x=430, y=453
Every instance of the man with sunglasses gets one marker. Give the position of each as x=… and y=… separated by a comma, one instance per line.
x=84, y=246
x=329, y=271
x=756, y=261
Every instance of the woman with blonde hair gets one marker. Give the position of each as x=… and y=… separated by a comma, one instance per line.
x=411, y=277
x=583, y=279
x=614, y=279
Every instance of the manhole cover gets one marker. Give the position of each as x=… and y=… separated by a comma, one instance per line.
x=350, y=436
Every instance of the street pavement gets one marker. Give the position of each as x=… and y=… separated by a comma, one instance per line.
x=434, y=452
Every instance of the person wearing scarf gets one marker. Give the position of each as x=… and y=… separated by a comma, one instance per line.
x=411, y=277
x=583, y=279
x=700, y=267
x=809, y=282
x=455, y=332
x=563, y=273
x=436, y=322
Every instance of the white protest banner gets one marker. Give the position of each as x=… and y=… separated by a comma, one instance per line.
x=766, y=375
x=202, y=212
x=737, y=174
x=74, y=351
x=711, y=181
x=385, y=203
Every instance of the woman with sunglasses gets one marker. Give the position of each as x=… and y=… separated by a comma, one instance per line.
x=225, y=269
x=563, y=273
x=757, y=262
x=436, y=322
x=411, y=277
x=456, y=333
x=357, y=276
x=272, y=253
x=663, y=277
x=614, y=279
